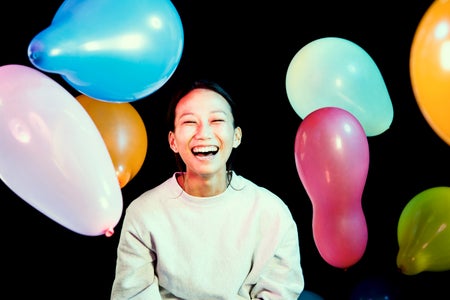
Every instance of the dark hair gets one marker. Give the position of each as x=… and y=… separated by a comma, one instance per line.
x=200, y=84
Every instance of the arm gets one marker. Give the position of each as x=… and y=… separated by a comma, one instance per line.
x=135, y=277
x=282, y=276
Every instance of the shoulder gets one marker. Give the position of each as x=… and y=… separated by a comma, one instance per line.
x=240, y=182
x=156, y=196
x=262, y=195
x=270, y=211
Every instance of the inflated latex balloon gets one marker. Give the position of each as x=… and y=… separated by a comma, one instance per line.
x=111, y=50
x=334, y=72
x=376, y=288
x=423, y=232
x=309, y=295
x=332, y=160
x=123, y=132
x=52, y=155
x=430, y=67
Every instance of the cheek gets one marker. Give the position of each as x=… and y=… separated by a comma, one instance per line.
x=180, y=143
x=229, y=138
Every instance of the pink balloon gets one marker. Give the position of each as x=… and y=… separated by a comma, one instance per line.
x=53, y=156
x=332, y=160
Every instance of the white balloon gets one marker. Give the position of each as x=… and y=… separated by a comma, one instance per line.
x=52, y=154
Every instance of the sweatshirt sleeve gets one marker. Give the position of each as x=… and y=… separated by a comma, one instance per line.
x=135, y=274
x=282, y=276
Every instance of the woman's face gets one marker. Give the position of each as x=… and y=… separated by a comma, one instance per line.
x=204, y=133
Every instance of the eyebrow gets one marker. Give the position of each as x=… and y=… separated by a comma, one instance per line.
x=212, y=112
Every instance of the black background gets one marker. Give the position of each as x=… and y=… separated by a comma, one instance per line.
x=247, y=47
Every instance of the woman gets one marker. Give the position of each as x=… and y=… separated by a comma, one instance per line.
x=207, y=233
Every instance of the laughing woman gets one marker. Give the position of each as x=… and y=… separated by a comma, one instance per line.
x=206, y=232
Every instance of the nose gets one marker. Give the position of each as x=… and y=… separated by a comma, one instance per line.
x=204, y=131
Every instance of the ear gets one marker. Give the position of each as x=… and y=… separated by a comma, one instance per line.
x=172, y=143
x=237, y=137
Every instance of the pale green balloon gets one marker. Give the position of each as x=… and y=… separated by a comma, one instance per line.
x=424, y=232
x=335, y=72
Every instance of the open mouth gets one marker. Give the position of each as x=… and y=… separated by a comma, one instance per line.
x=205, y=151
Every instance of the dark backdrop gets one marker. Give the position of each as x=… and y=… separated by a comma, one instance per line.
x=247, y=47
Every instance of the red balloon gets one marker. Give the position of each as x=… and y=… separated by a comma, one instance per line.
x=332, y=160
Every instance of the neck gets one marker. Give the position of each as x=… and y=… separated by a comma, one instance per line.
x=203, y=186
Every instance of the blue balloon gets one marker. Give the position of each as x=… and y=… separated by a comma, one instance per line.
x=309, y=295
x=111, y=50
x=375, y=288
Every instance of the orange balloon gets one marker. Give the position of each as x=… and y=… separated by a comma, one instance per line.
x=123, y=132
x=430, y=67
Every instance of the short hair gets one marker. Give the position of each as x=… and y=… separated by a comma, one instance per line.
x=200, y=84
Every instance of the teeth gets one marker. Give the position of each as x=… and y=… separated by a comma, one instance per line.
x=205, y=149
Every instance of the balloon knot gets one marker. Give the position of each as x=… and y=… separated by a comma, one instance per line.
x=109, y=232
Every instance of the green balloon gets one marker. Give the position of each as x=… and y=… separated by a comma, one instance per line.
x=424, y=232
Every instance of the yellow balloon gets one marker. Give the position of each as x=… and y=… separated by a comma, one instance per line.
x=424, y=232
x=430, y=67
x=123, y=132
